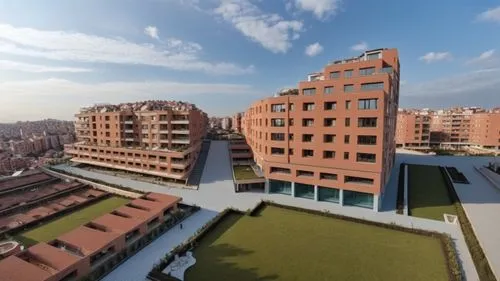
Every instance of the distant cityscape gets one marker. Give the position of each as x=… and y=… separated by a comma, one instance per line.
x=30, y=144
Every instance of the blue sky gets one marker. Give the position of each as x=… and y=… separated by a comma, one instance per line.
x=56, y=56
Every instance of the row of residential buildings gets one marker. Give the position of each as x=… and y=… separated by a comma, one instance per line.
x=332, y=139
x=453, y=128
x=21, y=130
x=36, y=144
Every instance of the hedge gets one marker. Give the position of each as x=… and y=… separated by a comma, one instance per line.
x=480, y=261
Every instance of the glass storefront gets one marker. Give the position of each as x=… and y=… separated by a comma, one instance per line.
x=304, y=190
x=281, y=187
x=359, y=199
x=328, y=194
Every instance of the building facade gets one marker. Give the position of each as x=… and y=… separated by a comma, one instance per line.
x=333, y=139
x=236, y=122
x=157, y=138
x=455, y=128
x=413, y=129
x=226, y=123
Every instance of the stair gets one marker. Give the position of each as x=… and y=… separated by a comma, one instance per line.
x=195, y=176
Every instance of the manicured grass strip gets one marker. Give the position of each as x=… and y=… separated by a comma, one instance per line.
x=67, y=223
x=244, y=172
x=428, y=195
x=281, y=244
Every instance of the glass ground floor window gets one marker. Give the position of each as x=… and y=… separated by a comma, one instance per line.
x=281, y=187
x=328, y=194
x=359, y=199
x=304, y=190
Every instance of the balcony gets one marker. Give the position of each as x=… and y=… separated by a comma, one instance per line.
x=180, y=121
x=128, y=122
x=181, y=141
x=129, y=139
x=179, y=164
x=129, y=131
x=184, y=132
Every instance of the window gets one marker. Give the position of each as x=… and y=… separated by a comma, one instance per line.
x=387, y=69
x=307, y=153
x=106, y=126
x=280, y=170
x=307, y=138
x=366, y=71
x=290, y=151
x=308, y=106
x=346, y=155
x=358, y=180
x=277, y=136
x=347, y=104
x=367, y=122
x=365, y=157
x=348, y=73
x=291, y=107
x=290, y=137
x=347, y=122
x=106, y=118
x=367, y=104
x=327, y=176
x=328, y=154
x=307, y=122
x=329, y=138
x=347, y=138
x=309, y=92
x=372, y=86
x=278, y=107
x=328, y=90
x=367, y=140
x=277, y=122
x=330, y=105
x=301, y=173
x=277, y=151
x=334, y=75
x=290, y=122
x=348, y=88
x=329, y=122
x=373, y=56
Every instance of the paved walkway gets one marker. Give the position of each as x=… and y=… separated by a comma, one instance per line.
x=216, y=193
x=137, y=267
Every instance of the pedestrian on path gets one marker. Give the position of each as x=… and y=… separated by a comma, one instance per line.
x=181, y=225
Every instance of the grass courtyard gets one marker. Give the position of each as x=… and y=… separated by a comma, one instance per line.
x=69, y=222
x=428, y=194
x=281, y=244
x=244, y=172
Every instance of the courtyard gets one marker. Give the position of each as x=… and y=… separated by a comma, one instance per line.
x=281, y=244
x=428, y=195
x=55, y=228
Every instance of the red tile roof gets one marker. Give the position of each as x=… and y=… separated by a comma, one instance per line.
x=52, y=256
x=16, y=269
x=88, y=240
x=118, y=224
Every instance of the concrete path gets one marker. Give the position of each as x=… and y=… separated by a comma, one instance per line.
x=137, y=267
x=216, y=192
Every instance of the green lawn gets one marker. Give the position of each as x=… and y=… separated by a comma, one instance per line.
x=244, y=172
x=281, y=244
x=69, y=222
x=428, y=195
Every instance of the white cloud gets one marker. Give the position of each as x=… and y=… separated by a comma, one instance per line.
x=270, y=30
x=436, y=56
x=492, y=14
x=79, y=47
x=322, y=9
x=58, y=98
x=27, y=67
x=470, y=83
x=487, y=56
x=314, y=49
x=362, y=46
x=152, y=32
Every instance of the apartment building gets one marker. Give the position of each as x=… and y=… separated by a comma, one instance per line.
x=236, y=122
x=93, y=249
x=333, y=139
x=156, y=138
x=449, y=128
x=413, y=129
x=226, y=123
